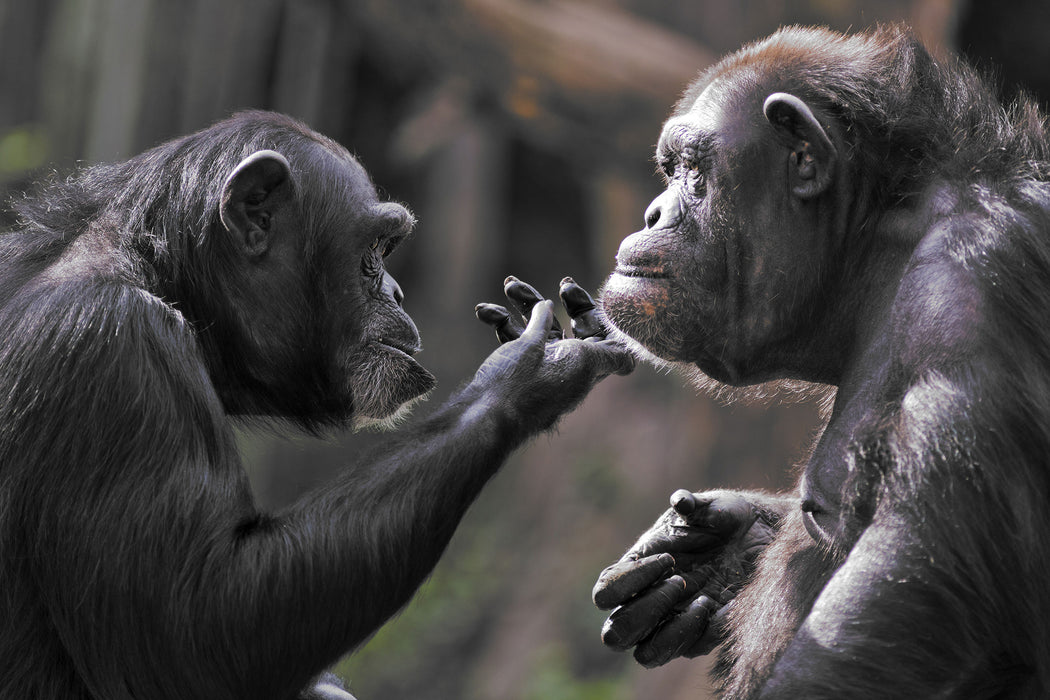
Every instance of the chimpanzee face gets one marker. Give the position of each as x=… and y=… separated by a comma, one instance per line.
x=315, y=298
x=731, y=251
x=374, y=339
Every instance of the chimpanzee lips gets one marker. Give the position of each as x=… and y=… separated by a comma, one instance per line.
x=649, y=272
x=402, y=349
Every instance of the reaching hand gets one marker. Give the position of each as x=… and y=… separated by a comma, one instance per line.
x=670, y=591
x=538, y=373
x=582, y=310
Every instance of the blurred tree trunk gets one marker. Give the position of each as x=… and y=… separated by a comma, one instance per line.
x=23, y=26
x=459, y=244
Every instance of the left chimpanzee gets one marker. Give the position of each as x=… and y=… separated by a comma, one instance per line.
x=235, y=271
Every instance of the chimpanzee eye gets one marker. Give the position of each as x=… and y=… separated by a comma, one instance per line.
x=375, y=244
x=390, y=244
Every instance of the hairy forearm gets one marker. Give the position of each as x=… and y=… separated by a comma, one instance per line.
x=409, y=495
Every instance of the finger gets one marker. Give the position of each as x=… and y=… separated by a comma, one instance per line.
x=678, y=636
x=713, y=635
x=524, y=297
x=684, y=502
x=521, y=294
x=613, y=357
x=721, y=514
x=727, y=513
x=682, y=541
x=540, y=322
x=634, y=621
x=507, y=327
x=625, y=579
x=583, y=312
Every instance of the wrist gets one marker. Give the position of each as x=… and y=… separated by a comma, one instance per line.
x=483, y=410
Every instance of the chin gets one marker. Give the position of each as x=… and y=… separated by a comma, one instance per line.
x=640, y=311
x=384, y=384
x=390, y=421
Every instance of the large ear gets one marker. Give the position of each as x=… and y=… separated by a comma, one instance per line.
x=249, y=197
x=813, y=155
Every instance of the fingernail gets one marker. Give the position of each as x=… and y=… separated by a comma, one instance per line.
x=645, y=656
x=611, y=637
x=491, y=314
x=568, y=280
x=683, y=502
x=510, y=278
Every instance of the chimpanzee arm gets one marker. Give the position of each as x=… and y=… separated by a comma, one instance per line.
x=880, y=628
x=206, y=596
x=908, y=614
x=410, y=496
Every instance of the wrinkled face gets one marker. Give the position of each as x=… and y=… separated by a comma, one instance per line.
x=318, y=333
x=729, y=257
x=373, y=339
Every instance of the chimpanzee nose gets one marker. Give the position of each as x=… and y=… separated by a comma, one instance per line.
x=664, y=212
x=392, y=289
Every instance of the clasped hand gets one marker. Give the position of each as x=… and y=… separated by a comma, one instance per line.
x=670, y=592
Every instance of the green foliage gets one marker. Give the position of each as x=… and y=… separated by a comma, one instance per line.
x=552, y=679
x=22, y=150
x=433, y=638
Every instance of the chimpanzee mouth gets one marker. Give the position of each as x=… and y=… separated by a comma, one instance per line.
x=399, y=349
x=653, y=273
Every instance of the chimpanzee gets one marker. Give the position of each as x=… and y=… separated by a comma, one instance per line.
x=235, y=271
x=850, y=211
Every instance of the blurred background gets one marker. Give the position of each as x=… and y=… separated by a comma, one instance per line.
x=521, y=134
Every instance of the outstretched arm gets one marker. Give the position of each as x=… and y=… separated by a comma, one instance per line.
x=219, y=599
x=412, y=492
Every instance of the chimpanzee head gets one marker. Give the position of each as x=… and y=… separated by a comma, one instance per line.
x=306, y=240
x=287, y=289
x=731, y=271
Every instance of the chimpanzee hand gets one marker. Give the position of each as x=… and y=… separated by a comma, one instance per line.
x=671, y=589
x=539, y=373
x=586, y=319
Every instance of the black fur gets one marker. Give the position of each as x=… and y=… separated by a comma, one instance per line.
x=918, y=283
x=141, y=303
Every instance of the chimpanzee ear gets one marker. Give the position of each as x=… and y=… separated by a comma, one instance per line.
x=813, y=155
x=249, y=197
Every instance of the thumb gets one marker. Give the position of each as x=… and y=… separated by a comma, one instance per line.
x=540, y=322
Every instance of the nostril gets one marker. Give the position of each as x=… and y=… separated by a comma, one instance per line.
x=392, y=289
x=652, y=216
x=665, y=211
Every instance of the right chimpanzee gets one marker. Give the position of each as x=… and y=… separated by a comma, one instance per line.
x=847, y=210
x=235, y=271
